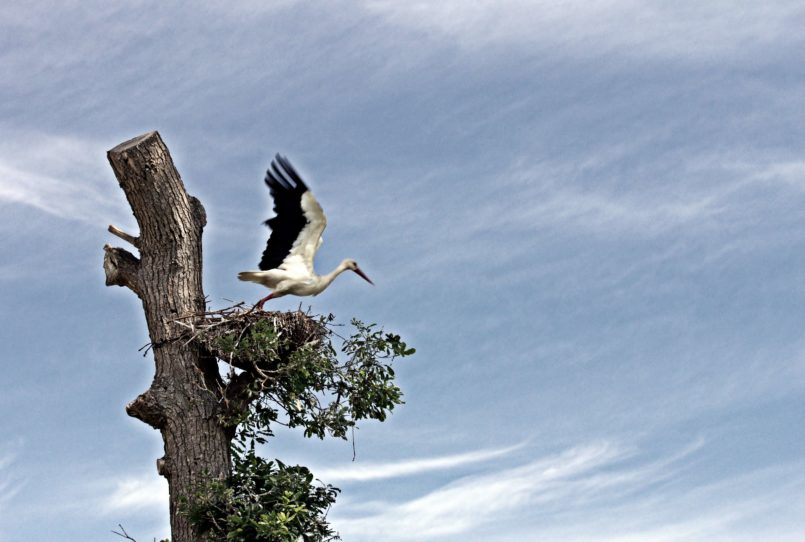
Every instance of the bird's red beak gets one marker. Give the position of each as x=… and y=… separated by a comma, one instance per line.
x=363, y=276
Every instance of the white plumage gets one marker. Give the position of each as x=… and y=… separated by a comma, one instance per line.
x=296, y=235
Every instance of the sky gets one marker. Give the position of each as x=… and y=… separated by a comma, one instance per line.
x=585, y=216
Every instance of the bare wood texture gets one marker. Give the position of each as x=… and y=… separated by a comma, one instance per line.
x=121, y=268
x=183, y=401
x=135, y=241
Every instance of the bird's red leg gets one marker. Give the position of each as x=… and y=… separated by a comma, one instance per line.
x=260, y=303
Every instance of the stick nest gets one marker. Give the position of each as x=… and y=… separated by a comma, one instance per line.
x=221, y=332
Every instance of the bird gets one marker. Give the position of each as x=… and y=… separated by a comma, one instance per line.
x=296, y=235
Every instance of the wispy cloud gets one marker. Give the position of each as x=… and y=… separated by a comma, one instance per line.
x=610, y=192
x=61, y=176
x=476, y=500
x=54, y=196
x=708, y=203
x=379, y=471
x=789, y=172
x=136, y=493
x=82, y=496
x=759, y=505
x=10, y=484
x=138, y=501
x=681, y=29
x=596, y=493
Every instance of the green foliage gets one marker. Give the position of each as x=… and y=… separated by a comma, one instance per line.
x=314, y=386
x=264, y=501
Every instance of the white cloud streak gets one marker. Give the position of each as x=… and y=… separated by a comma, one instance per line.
x=476, y=500
x=63, y=177
x=596, y=493
x=380, y=471
x=706, y=192
x=710, y=203
x=685, y=29
x=136, y=493
x=10, y=484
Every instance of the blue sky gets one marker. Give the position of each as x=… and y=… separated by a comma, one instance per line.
x=586, y=217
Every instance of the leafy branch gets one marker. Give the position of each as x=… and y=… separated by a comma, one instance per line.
x=316, y=385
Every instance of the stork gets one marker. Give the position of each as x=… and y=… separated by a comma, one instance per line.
x=287, y=264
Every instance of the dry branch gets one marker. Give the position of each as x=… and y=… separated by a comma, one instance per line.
x=134, y=240
x=122, y=268
x=146, y=408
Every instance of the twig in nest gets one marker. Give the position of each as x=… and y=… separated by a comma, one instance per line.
x=208, y=328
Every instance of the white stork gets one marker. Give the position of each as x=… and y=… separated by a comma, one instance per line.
x=287, y=264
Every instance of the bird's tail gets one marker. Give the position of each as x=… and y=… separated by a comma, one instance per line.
x=251, y=276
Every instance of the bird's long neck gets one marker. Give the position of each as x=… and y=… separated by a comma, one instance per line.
x=326, y=280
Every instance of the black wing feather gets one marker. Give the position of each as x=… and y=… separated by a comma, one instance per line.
x=286, y=188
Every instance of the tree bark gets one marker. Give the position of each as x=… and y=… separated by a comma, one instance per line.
x=183, y=400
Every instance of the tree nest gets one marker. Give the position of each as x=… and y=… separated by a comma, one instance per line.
x=229, y=334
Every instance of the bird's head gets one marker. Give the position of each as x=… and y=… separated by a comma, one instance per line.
x=353, y=266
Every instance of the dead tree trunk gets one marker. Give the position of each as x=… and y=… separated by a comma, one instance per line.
x=183, y=400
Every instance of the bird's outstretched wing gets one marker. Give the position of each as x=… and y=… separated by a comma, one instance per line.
x=296, y=230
